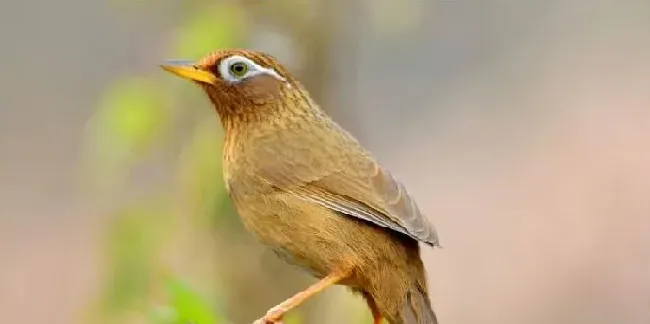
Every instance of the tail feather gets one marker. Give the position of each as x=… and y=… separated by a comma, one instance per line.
x=417, y=309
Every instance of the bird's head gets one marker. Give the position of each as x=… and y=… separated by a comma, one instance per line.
x=244, y=83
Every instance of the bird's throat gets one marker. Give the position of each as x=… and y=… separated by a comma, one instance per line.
x=236, y=115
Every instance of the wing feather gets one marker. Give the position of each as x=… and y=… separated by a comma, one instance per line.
x=346, y=180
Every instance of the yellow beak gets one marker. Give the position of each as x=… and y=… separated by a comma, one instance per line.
x=190, y=71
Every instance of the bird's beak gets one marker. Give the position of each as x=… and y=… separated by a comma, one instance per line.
x=189, y=70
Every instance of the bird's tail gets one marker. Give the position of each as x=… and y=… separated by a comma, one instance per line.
x=417, y=309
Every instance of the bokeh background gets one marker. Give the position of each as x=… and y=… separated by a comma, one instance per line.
x=522, y=128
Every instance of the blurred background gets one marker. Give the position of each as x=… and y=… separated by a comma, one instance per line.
x=522, y=128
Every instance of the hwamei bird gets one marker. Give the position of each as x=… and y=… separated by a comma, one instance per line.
x=308, y=190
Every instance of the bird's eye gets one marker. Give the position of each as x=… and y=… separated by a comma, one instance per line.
x=238, y=69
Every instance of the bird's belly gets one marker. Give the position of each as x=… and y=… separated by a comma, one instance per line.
x=305, y=234
x=290, y=256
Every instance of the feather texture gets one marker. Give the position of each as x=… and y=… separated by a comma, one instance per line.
x=350, y=182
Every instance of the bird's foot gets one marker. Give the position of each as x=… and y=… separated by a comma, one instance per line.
x=273, y=316
x=266, y=321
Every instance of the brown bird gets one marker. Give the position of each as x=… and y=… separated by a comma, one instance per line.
x=306, y=188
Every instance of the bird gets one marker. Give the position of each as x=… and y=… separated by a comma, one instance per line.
x=307, y=189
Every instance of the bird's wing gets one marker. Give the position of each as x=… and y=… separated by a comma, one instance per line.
x=348, y=181
x=371, y=193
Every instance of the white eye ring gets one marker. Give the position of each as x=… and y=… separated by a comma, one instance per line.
x=252, y=69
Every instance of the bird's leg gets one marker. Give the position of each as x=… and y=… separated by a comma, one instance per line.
x=275, y=314
x=376, y=315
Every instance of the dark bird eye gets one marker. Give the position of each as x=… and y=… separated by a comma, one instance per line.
x=238, y=69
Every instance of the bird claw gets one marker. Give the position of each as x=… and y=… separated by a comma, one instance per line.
x=273, y=316
x=264, y=320
x=276, y=312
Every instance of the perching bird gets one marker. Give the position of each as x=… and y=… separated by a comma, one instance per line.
x=306, y=188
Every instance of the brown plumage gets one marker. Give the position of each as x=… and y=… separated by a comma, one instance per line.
x=306, y=188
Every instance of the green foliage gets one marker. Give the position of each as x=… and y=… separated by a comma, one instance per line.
x=135, y=118
x=131, y=117
x=200, y=171
x=190, y=306
x=133, y=113
x=131, y=249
